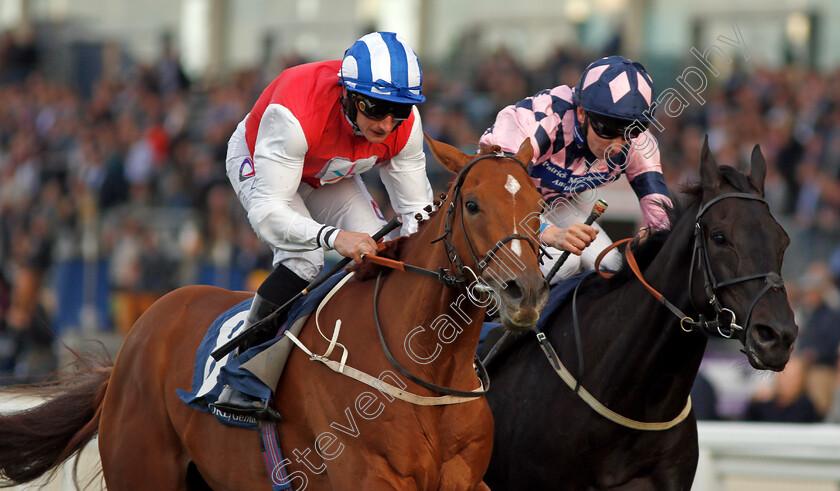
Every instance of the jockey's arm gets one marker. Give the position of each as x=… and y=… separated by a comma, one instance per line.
x=406, y=181
x=644, y=172
x=278, y=157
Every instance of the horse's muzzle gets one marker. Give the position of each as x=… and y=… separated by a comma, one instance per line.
x=521, y=300
x=768, y=347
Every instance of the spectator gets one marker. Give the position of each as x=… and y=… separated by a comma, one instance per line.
x=819, y=338
x=26, y=319
x=704, y=399
x=786, y=400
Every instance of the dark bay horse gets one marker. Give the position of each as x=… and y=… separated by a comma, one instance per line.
x=719, y=260
x=336, y=432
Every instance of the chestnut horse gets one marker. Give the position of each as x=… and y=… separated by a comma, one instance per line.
x=336, y=433
x=634, y=343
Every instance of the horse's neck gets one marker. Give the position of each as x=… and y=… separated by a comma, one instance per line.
x=432, y=311
x=663, y=357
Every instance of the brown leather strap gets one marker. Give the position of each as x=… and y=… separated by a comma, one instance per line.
x=384, y=261
x=603, y=253
x=631, y=261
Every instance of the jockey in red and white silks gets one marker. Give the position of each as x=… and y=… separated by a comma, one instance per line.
x=295, y=161
x=581, y=145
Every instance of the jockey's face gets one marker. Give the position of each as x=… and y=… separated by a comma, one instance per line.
x=376, y=118
x=375, y=131
x=600, y=147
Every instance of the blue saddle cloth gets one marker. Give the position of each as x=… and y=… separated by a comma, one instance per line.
x=557, y=296
x=210, y=376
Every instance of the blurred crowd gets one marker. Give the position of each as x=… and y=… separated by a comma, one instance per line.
x=123, y=191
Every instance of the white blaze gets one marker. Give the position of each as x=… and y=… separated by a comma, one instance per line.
x=512, y=186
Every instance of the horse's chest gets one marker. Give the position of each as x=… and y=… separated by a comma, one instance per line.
x=629, y=456
x=448, y=450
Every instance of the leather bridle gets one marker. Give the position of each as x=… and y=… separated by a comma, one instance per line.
x=711, y=285
x=700, y=256
x=459, y=279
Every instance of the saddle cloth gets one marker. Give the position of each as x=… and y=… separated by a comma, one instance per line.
x=254, y=372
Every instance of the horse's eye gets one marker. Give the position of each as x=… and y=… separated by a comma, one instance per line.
x=719, y=239
x=472, y=207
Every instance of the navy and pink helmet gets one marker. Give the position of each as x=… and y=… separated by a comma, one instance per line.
x=618, y=88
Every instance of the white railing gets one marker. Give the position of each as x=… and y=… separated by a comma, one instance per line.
x=802, y=456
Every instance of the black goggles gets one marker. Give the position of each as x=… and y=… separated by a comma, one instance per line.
x=378, y=109
x=612, y=128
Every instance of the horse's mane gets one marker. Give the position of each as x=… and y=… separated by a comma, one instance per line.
x=689, y=202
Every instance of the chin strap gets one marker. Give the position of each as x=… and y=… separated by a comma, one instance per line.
x=350, y=112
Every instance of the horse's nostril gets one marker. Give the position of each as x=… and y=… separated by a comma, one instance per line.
x=512, y=290
x=764, y=333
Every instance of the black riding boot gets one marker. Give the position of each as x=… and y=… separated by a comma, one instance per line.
x=282, y=284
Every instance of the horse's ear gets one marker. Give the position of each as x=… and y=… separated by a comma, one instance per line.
x=709, y=171
x=758, y=169
x=451, y=158
x=525, y=152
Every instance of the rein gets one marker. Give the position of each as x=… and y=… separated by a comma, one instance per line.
x=687, y=324
x=445, y=276
x=459, y=280
x=482, y=371
x=448, y=279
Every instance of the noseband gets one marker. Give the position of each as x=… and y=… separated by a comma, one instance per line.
x=700, y=254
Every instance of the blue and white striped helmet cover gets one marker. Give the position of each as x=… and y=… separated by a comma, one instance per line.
x=383, y=66
x=616, y=87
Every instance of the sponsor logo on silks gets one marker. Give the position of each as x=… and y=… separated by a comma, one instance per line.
x=338, y=175
x=563, y=181
x=377, y=210
x=246, y=169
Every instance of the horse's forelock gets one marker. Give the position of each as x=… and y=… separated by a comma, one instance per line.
x=728, y=175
